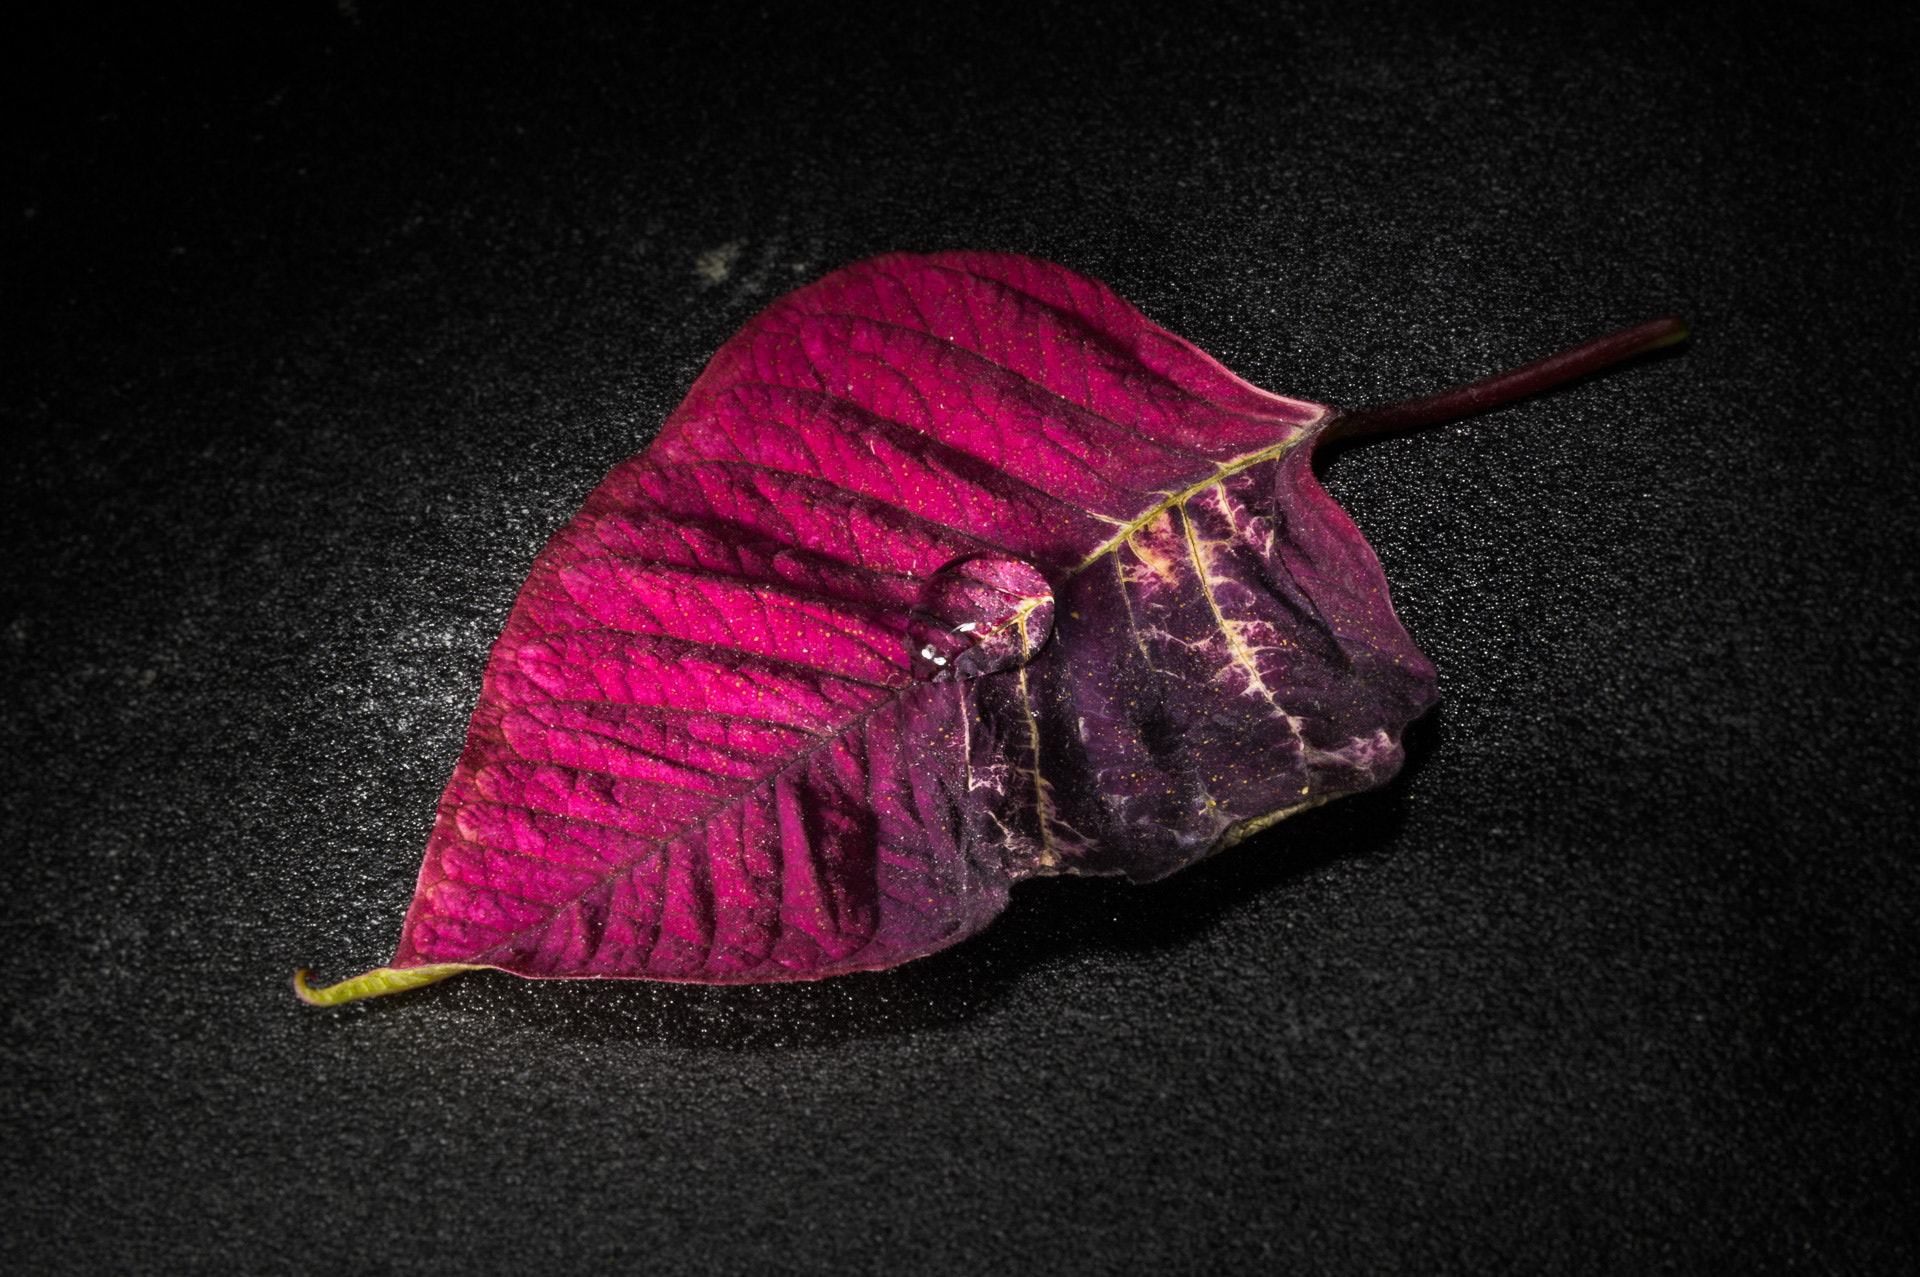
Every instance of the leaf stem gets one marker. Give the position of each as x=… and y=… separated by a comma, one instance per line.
x=1529, y=379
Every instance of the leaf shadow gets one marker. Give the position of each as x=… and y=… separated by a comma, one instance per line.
x=1048, y=921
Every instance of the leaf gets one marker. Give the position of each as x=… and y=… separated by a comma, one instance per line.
x=950, y=571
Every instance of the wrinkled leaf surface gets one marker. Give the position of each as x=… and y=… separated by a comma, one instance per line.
x=951, y=570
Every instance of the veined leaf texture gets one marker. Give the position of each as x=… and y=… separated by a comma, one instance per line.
x=951, y=570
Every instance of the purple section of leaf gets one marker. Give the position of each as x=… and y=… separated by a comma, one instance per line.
x=950, y=571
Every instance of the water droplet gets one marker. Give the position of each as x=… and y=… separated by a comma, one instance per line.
x=981, y=615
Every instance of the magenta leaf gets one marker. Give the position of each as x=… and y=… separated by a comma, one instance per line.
x=950, y=571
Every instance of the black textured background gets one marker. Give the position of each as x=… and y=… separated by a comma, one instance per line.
x=323, y=317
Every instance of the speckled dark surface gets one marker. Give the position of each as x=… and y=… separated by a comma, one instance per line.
x=321, y=329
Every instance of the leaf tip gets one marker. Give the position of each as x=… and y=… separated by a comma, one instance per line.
x=375, y=983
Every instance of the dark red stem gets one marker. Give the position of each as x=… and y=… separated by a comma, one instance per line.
x=1491, y=392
